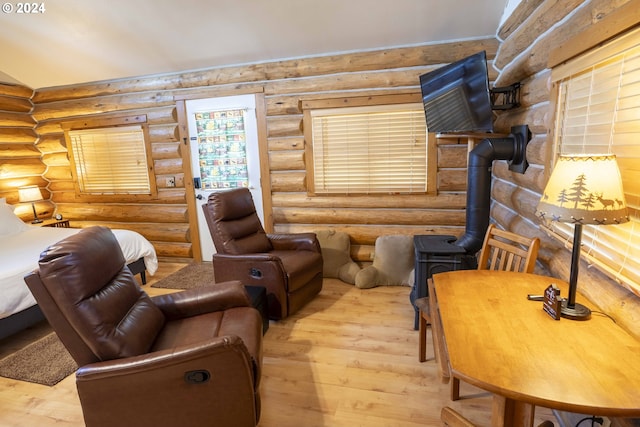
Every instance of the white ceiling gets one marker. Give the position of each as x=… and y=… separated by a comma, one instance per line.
x=77, y=41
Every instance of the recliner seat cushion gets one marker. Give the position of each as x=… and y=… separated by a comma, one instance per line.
x=237, y=321
x=301, y=267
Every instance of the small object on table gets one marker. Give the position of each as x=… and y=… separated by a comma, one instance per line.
x=552, y=303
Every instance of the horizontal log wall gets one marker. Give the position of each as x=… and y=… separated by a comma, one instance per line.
x=32, y=148
x=285, y=85
x=534, y=29
x=20, y=159
x=162, y=221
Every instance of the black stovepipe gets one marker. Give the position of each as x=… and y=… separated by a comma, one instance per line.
x=511, y=148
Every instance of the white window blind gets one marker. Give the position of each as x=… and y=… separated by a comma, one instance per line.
x=599, y=113
x=364, y=150
x=111, y=160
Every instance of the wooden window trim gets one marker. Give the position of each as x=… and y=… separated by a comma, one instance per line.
x=307, y=106
x=96, y=123
x=579, y=53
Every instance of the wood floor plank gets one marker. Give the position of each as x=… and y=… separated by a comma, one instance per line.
x=349, y=358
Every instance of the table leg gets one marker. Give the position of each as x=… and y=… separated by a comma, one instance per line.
x=511, y=413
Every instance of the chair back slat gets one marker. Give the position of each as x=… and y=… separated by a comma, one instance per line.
x=503, y=250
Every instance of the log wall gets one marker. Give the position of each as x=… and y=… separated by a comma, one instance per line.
x=32, y=148
x=285, y=85
x=20, y=158
x=528, y=36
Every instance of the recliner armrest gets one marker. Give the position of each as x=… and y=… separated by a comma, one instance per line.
x=253, y=257
x=252, y=269
x=205, y=299
x=294, y=242
x=160, y=359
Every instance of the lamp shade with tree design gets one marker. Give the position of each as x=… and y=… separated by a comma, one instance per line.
x=583, y=190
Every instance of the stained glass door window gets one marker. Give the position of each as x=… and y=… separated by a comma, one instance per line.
x=222, y=149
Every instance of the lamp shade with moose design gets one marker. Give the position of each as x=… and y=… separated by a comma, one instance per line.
x=584, y=189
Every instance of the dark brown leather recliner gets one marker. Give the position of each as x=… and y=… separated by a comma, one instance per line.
x=190, y=358
x=289, y=266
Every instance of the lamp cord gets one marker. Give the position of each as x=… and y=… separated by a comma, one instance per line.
x=605, y=315
x=593, y=419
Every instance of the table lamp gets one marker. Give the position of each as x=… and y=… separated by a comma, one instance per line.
x=582, y=189
x=31, y=193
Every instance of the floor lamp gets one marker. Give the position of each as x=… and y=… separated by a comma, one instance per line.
x=31, y=193
x=582, y=189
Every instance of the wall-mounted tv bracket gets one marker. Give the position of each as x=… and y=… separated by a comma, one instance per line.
x=505, y=98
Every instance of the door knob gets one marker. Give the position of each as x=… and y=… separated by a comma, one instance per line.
x=199, y=197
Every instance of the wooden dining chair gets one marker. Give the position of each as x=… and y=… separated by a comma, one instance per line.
x=501, y=250
x=451, y=418
x=506, y=251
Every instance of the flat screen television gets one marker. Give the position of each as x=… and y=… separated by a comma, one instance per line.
x=456, y=97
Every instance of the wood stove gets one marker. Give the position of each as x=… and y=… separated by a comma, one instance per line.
x=436, y=254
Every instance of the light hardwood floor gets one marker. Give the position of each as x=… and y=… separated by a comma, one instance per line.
x=349, y=358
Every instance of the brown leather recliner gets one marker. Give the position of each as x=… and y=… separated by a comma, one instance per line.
x=289, y=265
x=190, y=358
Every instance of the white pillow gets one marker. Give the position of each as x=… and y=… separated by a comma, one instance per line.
x=9, y=222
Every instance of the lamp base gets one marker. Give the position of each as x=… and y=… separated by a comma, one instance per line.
x=36, y=220
x=578, y=312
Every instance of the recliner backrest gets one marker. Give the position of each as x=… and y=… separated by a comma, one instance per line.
x=234, y=223
x=92, y=300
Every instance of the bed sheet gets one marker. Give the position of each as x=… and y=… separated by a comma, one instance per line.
x=19, y=254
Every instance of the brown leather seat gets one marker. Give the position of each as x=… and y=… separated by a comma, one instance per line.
x=289, y=266
x=189, y=358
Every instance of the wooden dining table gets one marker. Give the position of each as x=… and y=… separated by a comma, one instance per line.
x=502, y=342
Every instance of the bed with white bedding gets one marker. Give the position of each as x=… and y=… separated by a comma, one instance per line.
x=20, y=248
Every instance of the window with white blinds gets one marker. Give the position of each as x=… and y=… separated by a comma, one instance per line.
x=599, y=113
x=372, y=149
x=110, y=160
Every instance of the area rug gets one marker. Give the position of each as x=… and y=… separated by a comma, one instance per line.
x=191, y=276
x=44, y=361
